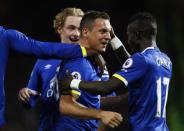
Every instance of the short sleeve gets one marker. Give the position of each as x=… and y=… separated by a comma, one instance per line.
x=133, y=69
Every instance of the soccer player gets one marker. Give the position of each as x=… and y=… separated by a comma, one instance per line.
x=18, y=42
x=44, y=75
x=14, y=40
x=95, y=33
x=146, y=74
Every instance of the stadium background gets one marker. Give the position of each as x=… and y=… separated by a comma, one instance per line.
x=34, y=18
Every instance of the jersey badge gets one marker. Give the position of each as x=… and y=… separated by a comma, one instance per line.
x=48, y=66
x=128, y=63
x=76, y=75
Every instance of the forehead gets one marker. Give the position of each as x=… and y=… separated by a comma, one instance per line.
x=130, y=28
x=73, y=20
x=102, y=23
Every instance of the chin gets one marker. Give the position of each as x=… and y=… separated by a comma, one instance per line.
x=102, y=50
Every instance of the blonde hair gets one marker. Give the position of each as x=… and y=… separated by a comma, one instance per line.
x=60, y=18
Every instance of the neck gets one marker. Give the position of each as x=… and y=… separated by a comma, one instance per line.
x=83, y=42
x=147, y=44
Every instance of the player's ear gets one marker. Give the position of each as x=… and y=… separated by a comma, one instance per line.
x=59, y=30
x=84, y=31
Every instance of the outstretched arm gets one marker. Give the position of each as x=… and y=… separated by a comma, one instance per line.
x=95, y=87
x=21, y=43
x=101, y=87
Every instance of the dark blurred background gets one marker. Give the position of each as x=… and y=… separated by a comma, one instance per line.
x=34, y=18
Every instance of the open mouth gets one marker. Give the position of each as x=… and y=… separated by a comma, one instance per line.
x=74, y=39
x=104, y=43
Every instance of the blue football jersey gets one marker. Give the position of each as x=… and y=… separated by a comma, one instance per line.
x=83, y=69
x=147, y=75
x=44, y=80
x=16, y=41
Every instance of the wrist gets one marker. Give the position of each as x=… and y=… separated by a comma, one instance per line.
x=115, y=43
x=100, y=115
x=75, y=83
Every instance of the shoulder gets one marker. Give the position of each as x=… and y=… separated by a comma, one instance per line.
x=138, y=56
x=135, y=59
x=1, y=29
x=79, y=62
x=78, y=67
x=166, y=61
x=166, y=57
x=2, y=32
x=40, y=62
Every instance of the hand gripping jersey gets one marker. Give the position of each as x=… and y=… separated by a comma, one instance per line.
x=147, y=75
x=44, y=80
x=83, y=69
x=18, y=42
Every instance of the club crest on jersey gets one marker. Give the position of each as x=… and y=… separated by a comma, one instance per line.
x=76, y=75
x=48, y=66
x=128, y=63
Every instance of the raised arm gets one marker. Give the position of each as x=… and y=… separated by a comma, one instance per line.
x=119, y=48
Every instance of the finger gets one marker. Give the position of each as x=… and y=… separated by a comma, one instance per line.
x=116, y=121
x=27, y=93
x=119, y=117
x=24, y=95
x=22, y=98
x=113, y=123
x=33, y=92
x=112, y=33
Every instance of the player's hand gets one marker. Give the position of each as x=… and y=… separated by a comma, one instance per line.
x=112, y=33
x=25, y=93
x=64, y=84
x=111, y=119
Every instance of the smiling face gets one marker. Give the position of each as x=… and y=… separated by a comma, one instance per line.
x=69, y=32
x=99, y=36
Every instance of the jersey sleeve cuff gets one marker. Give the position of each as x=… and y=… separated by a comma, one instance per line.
x=84, y=52
x=121, y=78
x=75, y=92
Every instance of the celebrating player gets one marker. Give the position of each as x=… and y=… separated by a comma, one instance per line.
x=146, y=74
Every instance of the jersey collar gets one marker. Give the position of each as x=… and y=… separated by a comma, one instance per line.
x=148, y=49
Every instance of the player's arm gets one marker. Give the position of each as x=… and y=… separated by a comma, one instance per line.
x=23, y=44
x=119, y=48
x=28, y=95
x=101, y=87
x=95, y=87
x=110, y=102
x=69, y=106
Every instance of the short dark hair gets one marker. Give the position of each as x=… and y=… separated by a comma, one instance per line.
x=144, y=23
x=89, y=18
